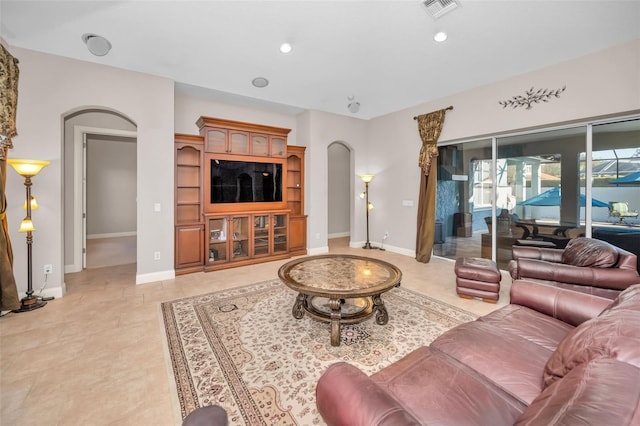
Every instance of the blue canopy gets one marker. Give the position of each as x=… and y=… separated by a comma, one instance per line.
x=630, y=178
x=552, y=197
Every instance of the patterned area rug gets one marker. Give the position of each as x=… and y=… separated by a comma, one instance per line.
x=242, y=349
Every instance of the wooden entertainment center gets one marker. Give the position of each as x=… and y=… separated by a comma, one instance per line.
x=239, y=196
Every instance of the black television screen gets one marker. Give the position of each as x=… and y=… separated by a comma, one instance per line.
x=245, y=181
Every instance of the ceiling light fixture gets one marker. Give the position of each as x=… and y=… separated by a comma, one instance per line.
x=285, y=48
x=440, y=36
x=96, y=44
x=260, y=82
x=353, y=105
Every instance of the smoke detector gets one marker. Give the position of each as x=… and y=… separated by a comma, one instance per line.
x=437, y=8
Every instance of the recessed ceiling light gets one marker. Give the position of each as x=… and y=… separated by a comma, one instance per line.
x=440, y=36
x=285, y=48
x=96, y=44
x=260, y=82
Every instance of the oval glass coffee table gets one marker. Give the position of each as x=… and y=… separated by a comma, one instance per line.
x=340, y=288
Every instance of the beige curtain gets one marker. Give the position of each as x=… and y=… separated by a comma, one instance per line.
x=8, y=103
x=429, y=126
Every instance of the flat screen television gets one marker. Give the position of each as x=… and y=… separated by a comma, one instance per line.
x=245, y=182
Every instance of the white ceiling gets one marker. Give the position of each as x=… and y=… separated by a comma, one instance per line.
x=382, y=52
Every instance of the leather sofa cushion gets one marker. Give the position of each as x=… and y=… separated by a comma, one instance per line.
x=510, y=361
x=589, y=252
x=628, y=299
x=615, y=334
x=602, y=392
x=543, y=330
x=438, y=390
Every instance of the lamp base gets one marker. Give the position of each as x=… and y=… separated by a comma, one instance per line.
x=368, y=245
x=30, y=303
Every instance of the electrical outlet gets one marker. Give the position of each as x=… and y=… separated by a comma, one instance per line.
x=48, y=269
x=156, y=255
x=386, y=235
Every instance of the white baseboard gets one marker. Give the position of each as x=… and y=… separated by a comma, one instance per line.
x=70, y=269
x=318, y=250
x=400, y=250
x=339, y=235
x=155, y=276
x=111, y=235
x=140, y=279
x=356, y=244
x=57, y=292
x=394, y=249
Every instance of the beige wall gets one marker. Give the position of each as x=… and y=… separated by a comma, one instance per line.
x=319, y=130
x=51, y=87
x=600, y=84
x=111, y=186
x=189, y=108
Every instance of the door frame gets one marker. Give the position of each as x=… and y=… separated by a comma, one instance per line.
x=79, y=189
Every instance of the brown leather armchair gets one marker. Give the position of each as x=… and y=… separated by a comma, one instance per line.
x=586, y=265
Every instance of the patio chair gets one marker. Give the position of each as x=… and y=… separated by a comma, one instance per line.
x=620, y=210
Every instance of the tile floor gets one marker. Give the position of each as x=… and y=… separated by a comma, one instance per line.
x=96, y=356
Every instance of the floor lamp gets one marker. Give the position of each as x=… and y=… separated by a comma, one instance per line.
x=28, y=169
x=366, y=179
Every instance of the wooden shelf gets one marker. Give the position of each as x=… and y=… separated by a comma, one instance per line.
x=236, y=234
x=189, y=229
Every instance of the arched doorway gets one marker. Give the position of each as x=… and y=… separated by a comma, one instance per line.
x=340, y=190
x=100, y=188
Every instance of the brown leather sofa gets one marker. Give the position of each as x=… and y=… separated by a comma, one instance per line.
x=585, y=264
x=553, y=356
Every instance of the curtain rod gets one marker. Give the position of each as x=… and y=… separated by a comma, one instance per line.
x=446, y=109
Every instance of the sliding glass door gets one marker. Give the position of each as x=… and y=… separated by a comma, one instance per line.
x=615, y=180
x=539, y=189
x=464, y=195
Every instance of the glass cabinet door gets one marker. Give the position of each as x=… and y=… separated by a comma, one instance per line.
x=259, y=145
x=217, y=140
x=261, y=235
x=239, y=237
x=280, y=240
x=238, y=142
x=217, y=238
x=278, y=146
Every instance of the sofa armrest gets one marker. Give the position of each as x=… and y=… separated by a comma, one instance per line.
x=347, y=396
x=611, y=278
x=568, y=306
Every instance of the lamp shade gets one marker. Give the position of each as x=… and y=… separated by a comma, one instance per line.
x=27, y=168
x=34, y=204
x=26, y=225
x=366, y=178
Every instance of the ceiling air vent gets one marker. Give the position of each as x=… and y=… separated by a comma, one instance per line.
x=437, y=8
